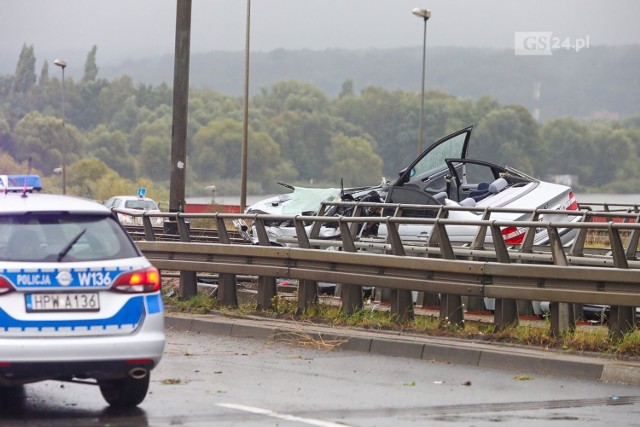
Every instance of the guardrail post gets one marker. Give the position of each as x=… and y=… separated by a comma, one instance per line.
x=563, y=318
x=315, y=229
x=506, y=310
x=429, y=299
x=577, y=247
x=622, y=319
x=188, y=279
x=481, y=235
x=352, y=299
x=267, y=288
x=188, y=287
x=451, y=308
x=227, y=283
x=149, y=234
x=525, y=308
x=634, y=239
x=477, y=303
x=307, y=289
x=563, y=315
x=183, y=229
x=401, y=299
x=353, y=229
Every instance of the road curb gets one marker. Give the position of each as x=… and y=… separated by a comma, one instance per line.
x=522, y=360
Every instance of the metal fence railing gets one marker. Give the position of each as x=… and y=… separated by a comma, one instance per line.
x=484, y=267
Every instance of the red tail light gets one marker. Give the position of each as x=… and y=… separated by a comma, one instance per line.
x=138, y=361
x=141, y=281
x=5, y=286
x=573, y=204
x=513, y=235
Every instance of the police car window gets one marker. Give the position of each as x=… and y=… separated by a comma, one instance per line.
x=114, y=202
x=140, y=204
x=43, y=237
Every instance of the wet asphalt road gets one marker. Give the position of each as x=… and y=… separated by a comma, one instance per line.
x=207, y=380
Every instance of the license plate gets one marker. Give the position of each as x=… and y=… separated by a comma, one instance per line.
x=86, y=301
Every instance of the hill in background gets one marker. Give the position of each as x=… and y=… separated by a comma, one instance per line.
x=598, y=81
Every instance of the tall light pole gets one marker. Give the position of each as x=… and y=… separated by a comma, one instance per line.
x=425, y=15
x=245, y=129
x=63, y=64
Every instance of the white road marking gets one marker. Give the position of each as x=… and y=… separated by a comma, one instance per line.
x=286, y=417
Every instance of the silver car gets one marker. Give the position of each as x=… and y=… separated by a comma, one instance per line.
x=129, y=208
x=442, y=175
x=78, y=300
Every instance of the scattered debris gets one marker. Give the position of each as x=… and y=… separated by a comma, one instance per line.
x=523, y=377
x=307, y=341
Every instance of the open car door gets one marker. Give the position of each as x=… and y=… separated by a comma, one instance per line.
x=428, y=179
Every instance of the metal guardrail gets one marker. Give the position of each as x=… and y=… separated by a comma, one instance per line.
x=563, y=276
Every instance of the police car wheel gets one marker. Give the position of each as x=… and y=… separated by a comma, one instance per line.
x=126, y=392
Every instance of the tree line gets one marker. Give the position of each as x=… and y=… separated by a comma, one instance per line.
x=116, y=135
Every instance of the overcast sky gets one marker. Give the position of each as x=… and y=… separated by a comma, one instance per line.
x=127, y=29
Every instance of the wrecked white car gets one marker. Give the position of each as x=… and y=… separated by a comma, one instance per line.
x=441, y=175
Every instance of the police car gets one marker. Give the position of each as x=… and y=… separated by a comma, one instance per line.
x=78, y=300
x=130, y=208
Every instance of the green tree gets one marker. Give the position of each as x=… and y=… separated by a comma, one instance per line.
x=291, y=96
x=159, y=126
x=509, y=136
x=617, y=159
x=265, y=163
x=113, y=149
x=45, y=140
x=112, y=97
x=83, y=175
x=6, y=142
x=390, y=118
x=8, y=165
x=89, y=113
x=445, y=114
x=217, y=149
x=347, y=89
x=483, y=106
x=155, y=158
x=304, y=138
x=353, y=160
x=217, y=153
x=25, y=75
x=90, y=66
x=572, y=147
x=44, y=74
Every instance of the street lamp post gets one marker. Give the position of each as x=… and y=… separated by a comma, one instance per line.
x=63, y=64
x=245, y=128
x=425, y=15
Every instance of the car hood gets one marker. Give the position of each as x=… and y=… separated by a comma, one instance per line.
x=301, y=200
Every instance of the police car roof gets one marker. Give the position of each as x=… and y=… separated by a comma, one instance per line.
x=38, y=202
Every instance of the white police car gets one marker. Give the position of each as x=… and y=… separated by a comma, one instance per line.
x=78, y=300
x=130, y=208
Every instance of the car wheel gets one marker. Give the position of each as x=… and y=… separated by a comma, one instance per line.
x=126, y=392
